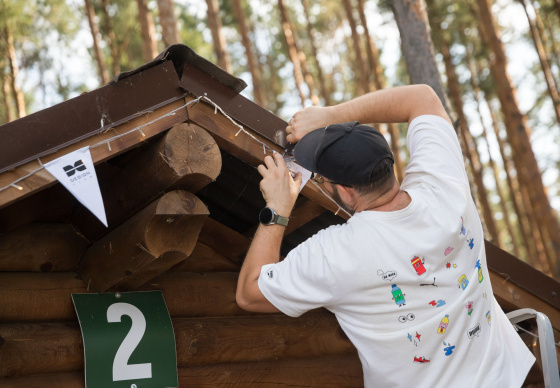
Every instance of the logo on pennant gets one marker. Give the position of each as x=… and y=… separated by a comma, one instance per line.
x=71, y=170
x=76, y=172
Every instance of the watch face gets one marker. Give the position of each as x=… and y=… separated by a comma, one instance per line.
x=266, y=215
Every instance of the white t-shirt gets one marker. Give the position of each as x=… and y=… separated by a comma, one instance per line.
x=410, y=288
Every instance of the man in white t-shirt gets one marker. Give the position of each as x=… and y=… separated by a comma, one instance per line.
x=406, y=275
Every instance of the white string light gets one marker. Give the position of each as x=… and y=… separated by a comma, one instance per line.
x=107, y=141
x=139, y=129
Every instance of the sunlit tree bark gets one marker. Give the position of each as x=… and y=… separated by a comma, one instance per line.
x=6, y=93
x=322, y=82
x=362, y=79
x=215, y=24
x=111, y=38
x=17, y=93
x=518, y=134
x=543, y=59
x=252, y=61
x=99, y=57
x=168, y=22
x=148, y=30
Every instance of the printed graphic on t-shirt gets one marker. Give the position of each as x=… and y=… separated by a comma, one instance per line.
x=398, y=296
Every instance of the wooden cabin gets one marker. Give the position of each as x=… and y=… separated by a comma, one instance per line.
x=181, y=195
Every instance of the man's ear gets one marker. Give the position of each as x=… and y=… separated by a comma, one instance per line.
x=347, y=194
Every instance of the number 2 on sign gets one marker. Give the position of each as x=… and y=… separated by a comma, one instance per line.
x=121, y=369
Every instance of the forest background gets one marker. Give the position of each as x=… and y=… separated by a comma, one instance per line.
x=496, y=66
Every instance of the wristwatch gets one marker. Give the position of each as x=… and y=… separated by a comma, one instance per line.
x=268, y=216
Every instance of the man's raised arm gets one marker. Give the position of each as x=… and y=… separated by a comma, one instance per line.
x=395, y=105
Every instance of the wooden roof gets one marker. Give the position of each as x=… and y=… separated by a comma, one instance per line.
x=198, y=178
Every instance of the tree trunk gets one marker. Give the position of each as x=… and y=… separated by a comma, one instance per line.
x=544, y=60
x=363, y=86
x=518, y=134
x=379, y=82
x=168, y=22
x=417, y=47
x=471, y=149
x=215, y=24
x=112, y=39
x=99, y=57
x=292, y=50
x=252, y=60
x=6, y=93
x=14, y=70
x=553, y=46
x=148, y=30
x=519, y=207
x=311, y=36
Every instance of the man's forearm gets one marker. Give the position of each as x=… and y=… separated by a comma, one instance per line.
x=264, y=249
x=394, y=105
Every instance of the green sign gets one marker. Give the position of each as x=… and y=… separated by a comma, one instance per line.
x=128, y=340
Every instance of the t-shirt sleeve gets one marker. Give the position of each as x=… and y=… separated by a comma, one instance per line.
x=435, y=153
x=302, y=281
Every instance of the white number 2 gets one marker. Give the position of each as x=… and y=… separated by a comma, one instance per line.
x=121, y=369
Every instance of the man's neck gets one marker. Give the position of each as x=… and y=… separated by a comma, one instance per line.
x=392, y=200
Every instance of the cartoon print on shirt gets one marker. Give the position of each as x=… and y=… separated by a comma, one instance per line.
x=463, y=281
x=449, y=265
x=430, y=284
x=463, y=231
x=443, y=325
x=417, y=337
x=484, y=295
x=447, y=251
x=398, y=296
x=488, y=317
x=480, y=277
x=418, y=264
x=469, y=307
x=388, y=276
x=449, y=349
x=471, y=243
x=421, y=360
x=474, y=331
x=439, y=303
x=409, y=317
x=270, y=274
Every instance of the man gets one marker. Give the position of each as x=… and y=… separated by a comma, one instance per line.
x=406, y=276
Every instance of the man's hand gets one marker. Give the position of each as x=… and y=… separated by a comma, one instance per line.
x=307, y=120
x=279, y=189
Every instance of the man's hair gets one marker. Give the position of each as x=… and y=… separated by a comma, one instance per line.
x=382, y=179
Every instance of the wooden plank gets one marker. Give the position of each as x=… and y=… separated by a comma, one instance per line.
x=186, y=158
x=200, y=341
x=130, y=255
x=42, y=179
x=304, y=211
x=42, y=247
x=340, y=372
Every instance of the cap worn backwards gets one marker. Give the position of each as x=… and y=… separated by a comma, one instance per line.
x=345, y=153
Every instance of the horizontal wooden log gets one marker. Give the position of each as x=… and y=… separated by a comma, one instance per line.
x=25, y=348
x=224, y=240
x=42, y=247
x=186, y=158
x=43, y=179
x=36, y=297
x=205, y=259
x=40, y=297
x=131, y=255
x=329, y=372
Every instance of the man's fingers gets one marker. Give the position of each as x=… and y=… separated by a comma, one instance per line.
x=262, y=170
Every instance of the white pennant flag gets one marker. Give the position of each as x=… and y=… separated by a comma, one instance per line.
x=77, y=173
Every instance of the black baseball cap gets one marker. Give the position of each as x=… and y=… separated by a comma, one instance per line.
x=345, y=153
